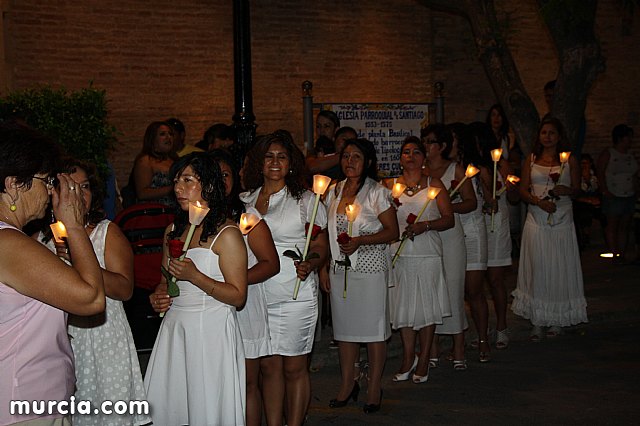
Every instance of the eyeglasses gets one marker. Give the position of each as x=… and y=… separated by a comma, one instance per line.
x=49, y=181
x=430, y=141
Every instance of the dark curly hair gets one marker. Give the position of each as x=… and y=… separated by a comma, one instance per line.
x=294, y=180
x=210, y=177
x=235, y=207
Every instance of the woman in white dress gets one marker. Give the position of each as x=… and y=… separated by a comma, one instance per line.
x=263, y=263
x=362, y=315
x=196, y=373
x=498, y=232
x=106, y=366
x=465, y=151
x=274, y=178
x=438, y=142
x=419, y=298
x=550, y=291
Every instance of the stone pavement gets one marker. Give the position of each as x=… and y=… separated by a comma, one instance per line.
x=588, y=375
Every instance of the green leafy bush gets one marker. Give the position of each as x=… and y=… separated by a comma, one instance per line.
x=76, y=120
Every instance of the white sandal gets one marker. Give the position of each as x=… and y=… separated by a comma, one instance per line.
x=502, y=339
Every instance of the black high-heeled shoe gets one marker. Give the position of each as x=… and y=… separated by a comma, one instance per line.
x=336, y=403
x=372, y=408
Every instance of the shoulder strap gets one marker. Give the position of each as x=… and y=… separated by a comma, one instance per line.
x=221, y=231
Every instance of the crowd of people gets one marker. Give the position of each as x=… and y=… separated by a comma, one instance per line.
x=235, y=342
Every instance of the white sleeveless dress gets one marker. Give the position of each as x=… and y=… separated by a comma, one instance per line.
x=454, y=255
x=419, y=297
x=196, y=373
x=106, y=362
x=475, y=232
x=253, y=318
x=550, y=289
x=499, y=239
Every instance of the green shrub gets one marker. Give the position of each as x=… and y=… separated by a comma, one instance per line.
x=76, y=120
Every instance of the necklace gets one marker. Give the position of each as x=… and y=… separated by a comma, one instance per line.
x=410, y=190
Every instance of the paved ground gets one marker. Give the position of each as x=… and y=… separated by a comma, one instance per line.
x=587, y=376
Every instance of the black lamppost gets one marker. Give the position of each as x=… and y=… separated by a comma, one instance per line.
x=243, y=118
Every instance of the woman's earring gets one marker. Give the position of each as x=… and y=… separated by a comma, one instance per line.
x=13, y=206
x=290, y=171
x=424, y=167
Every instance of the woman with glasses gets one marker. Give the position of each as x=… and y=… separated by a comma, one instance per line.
x=36, y=288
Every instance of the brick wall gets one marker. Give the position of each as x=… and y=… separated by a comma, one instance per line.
x=165, y=58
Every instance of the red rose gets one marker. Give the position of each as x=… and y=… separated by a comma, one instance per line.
x=175, y=248
x=397, y=202
x=454, y=184
x=314, y=233
x=343, y=238
x=411, y=218
x=554, y=177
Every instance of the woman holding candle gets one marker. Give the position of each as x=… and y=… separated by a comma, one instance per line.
x=550, y=290
x=361, y=315
x=419, y=300
x=438, y=142
x=196, y=373
x=498, y=229
x=263, y=263
x=106, y=365
x=274, y=177
x=36, y=288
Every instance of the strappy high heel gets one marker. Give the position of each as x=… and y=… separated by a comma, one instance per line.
x=336, y=403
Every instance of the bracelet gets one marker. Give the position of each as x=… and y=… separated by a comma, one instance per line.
x=428, y=226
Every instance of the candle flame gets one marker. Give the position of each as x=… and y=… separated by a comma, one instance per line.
x=352, y=212
x=197, y=213
x=433, y=192
x=59, y=231
x=320, y=184
x=247, y=222
x=471, y=171
x=513, y=179
x=564, y=157
x=496, y=154
x=398, y=189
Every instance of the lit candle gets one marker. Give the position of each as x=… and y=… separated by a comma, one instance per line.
x=197, y=213
x=352, y=212
x=247, y=222
x=564, y=157
x=512, y=179
x=398, y=189
x=59, y=231
x=496, y=154
x=468, y=174
x=320, y=184
x=432, y=193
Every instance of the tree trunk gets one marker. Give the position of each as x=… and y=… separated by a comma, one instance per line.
x=571, y=24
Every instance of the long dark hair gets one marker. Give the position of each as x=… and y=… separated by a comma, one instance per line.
x=485, y=141
x=149, y=138
x=370, y=160
x=563, y=144
x=210, y=177
x=294, y=180
x=235, y=207
x=504, y=128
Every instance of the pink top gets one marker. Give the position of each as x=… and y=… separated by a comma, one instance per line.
x=36, y=361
